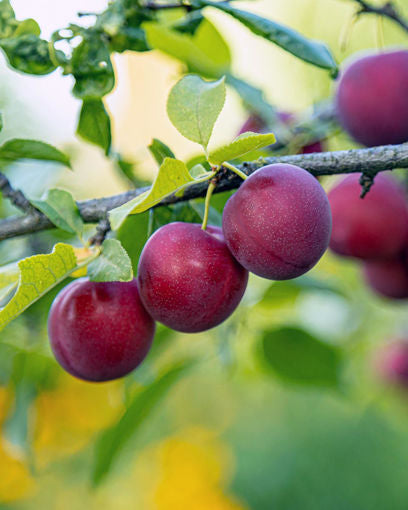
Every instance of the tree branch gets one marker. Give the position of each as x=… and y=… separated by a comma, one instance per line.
x=368, y=161
x=16, y=197
x=388, y=10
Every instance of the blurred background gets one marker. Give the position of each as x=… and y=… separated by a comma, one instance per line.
x=231, y=433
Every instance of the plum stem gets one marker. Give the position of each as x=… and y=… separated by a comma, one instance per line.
x=210, y=190
x=234, y=169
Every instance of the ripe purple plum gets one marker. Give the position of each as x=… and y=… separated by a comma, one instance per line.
x=372, y=99
x=372, y=228
x=188, y=280
x=254, y=124
x=278, y=223
x=313, y=147
x=100, y=331
x=388, y=278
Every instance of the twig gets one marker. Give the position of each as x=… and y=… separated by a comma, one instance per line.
x=368, y=161
x=16, y=197
x=102, y=230
x=388, y=10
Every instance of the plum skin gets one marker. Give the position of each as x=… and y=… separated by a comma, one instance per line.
x=372, y=99
x=372, y=228
x=278, y=223
x=388, y=278
x=188, y=279
x=99, y=331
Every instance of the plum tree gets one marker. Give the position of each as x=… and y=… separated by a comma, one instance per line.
x=372, y=228
x=389, y=278
x=100, y=330
x=372, y=100
x=188, y=279
x=278, y=223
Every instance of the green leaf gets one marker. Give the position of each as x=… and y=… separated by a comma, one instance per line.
x=253, y=99
x=113, y=440
x=245, y=143
x=198, y=170
x=16, y=149
x=28, y=54
x=127, y=169
x=210, y=42
x=124, y=33
x=173, y=176
x=32, y=373
x=132, y=243
x=189, y=24
x=94, y=124
x=28, y=26
x=92, y=67
x=8, y=22
x=20, y=40
x=298, y=357
x=112, y=265
x=111, y=19
x=183, y=211
x=59, y=206
x=16, y=427
x=130, y=38
x=280, y=294
x=194, y=106
x=159, y=150
x=38, y=274
x=311, y=51
x=8, y=279
x=205, y=52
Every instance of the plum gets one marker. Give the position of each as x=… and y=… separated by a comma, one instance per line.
x=372, y=99
x=188, y=280
x=99, y=330
x=388, y=278
x=372, y=228
x=278, y=223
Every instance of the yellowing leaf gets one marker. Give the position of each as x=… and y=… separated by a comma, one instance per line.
x=8, y=279
x=246, y=142
x=38, y=274
x=173, y=176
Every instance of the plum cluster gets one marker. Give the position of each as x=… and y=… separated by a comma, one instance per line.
x=372, y=106
x=374, y=230
x=277, y=225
